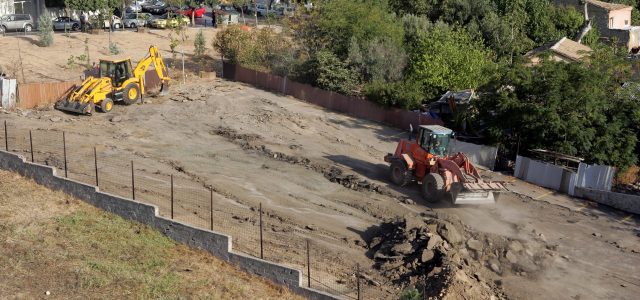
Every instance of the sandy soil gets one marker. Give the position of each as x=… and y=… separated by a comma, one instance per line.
x=21, y=55
x=254, y=147
x=53, y=243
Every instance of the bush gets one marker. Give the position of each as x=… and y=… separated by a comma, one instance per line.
x=230, y=41
x=410, y=294
x=199, y=44
x=45, y=24
x=113, y=49
x=406, y=94
x=334, y=74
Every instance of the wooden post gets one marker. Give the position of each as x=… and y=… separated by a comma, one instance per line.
x=31, y=145
x=95, y=163
x=133, y=183
x=64, y=151
x=171, y=196
x=261, y=245
x=308, y=265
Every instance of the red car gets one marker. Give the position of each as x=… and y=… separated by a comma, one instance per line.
x=199, y=11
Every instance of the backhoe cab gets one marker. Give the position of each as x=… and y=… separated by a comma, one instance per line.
x=116, y=81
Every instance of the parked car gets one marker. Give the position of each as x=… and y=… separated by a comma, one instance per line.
x=165, y=21
x=186, y=11
x=259, y=9
x=156, y=8
x=137, y=20
x=16, y=22
x=66, y=23
x=114, y=23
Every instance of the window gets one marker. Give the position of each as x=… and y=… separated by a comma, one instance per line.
x=610, y=22
x=626, y=22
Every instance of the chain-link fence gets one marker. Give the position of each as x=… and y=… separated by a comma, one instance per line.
x=256, y=230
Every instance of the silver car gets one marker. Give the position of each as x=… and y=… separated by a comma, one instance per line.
x=137, y=20
x=16, y=23
x=66, y=23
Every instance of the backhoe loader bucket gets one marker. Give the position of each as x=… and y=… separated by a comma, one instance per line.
x=164, y=89
x=74, y=106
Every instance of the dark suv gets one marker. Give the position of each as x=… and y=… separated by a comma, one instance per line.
x=16, y=23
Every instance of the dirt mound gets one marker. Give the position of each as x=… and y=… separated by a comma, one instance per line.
x=440, y=255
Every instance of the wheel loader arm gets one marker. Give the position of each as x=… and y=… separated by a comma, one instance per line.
x=155, y=58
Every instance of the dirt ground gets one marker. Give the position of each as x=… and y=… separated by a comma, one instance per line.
x=22, y=58
x=300, y=160
x=53, y=243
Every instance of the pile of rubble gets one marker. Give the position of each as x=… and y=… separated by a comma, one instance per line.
x=442, y=256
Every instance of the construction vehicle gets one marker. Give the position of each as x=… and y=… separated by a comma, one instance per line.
x=117, y=81
x=443, y=176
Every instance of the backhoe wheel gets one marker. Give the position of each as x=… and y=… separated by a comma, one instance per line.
x=131, y=94
x=106, y=105
x=400, y=174
x=432, y=187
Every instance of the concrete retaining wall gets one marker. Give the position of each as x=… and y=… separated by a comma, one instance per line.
x=628, y=203
x=217, y=244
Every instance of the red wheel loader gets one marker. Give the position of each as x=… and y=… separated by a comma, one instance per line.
x=443, y=177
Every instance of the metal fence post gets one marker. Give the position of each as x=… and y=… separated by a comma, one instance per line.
x=358, y=281
x=308, y=265
x=133, y=183
x=171, y=196
x=95, y=163
x=211, y=207
x=64, y=151
x=6, y=137
x=261, y=249
x=31, y=145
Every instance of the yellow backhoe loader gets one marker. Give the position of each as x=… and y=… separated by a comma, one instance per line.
x=117, y=81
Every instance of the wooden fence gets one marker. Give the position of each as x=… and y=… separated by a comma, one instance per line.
x=355, y=106
x=31, y=95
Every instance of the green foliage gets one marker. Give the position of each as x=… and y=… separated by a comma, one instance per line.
x=45, y=25
x=445, y=58
x=378, y=60
x=113, y=48
x=230, y=41
x=405, y=94
x=333, y=24
x=591, y=38
x=578, y=109
x=199, y=44
x=410, y=294
x=334, y=74
x=92, y=5
x=568, y=20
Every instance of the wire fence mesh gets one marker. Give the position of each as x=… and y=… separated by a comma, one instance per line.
x=256, y=230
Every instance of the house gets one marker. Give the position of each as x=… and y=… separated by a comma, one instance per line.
x=612, y=20
x=565, y=50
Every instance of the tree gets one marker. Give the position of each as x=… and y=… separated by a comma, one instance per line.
x=45, y=24
x=92, y=5
x=445, y=58
x=580, y=109
x=332, y=25
x=199, y=44
x=334, y=74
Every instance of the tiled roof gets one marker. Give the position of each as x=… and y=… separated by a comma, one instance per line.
x=607, y=5
x=570, y=49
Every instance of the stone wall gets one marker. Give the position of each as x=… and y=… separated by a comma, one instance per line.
x=215, y=243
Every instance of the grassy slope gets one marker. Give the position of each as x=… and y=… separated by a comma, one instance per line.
x=50, y=241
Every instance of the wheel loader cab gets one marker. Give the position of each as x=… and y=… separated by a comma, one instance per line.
x=118, y=71
x=435, y=139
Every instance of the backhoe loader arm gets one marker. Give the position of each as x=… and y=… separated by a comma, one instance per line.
x=155, y=58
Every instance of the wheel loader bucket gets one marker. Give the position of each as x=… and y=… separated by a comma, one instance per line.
x=479, y=193
x=475, y=198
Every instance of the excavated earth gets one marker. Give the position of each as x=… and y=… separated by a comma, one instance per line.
x=321, y=176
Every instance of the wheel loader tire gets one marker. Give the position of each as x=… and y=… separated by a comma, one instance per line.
x=432, y=187
x=400, y=174
x=131, y=94
x=106, y=105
